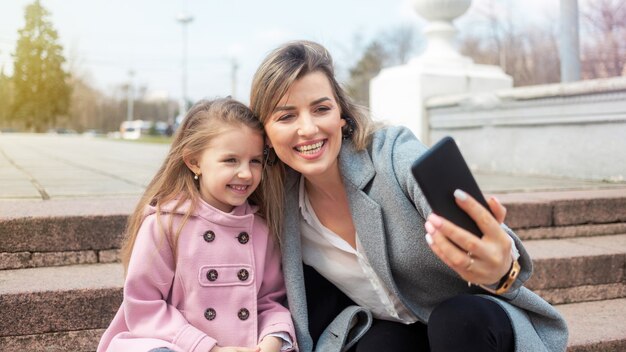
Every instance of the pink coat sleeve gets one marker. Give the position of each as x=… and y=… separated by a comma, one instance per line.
x=273, y=316
x=148, y=282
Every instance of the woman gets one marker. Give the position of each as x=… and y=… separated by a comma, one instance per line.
x=381, y=273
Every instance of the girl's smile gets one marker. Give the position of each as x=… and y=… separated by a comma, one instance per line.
x=230, y=167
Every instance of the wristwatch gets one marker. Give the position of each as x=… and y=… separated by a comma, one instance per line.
x=504, y=285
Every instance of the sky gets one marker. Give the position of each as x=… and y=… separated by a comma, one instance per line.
x=104, y=40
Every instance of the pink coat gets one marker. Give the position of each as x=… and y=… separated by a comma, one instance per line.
x=225, y=286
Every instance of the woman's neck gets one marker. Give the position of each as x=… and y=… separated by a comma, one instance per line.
x=328, y=185
x=328, y=198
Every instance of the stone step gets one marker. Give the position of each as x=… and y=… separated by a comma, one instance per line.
x=556, y=232
x=578, y=269
x=67, y=308
x=86, y=231
x=62, y=232
x=596, y=326
x=59, y=299
x=565, y=208
x=79, y=340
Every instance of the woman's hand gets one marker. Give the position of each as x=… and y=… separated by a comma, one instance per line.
x=477, y=260
x=270, y=344
x=234, y=349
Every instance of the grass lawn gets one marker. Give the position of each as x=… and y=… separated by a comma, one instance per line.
x=150, y=139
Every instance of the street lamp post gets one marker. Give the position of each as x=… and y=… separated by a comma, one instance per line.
x=130, y=97
x=184, y=19
x=234, y=65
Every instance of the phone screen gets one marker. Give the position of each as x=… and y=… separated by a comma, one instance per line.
x=439, y=172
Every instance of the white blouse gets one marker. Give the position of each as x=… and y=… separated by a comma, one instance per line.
x=347, y=268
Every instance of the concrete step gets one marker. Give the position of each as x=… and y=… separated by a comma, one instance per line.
x=80, y=340
x=58, y=300
x=566, y=208
x=555, y=232
x=578, y=269
x=87, y=231
x=596, y=326
x=62, y=232
x=67, y=308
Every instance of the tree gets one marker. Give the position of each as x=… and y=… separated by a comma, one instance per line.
x=5, y=98
x=367, y=68
x=85, y=102
x=390, y=48
x=604, y=54
x=526, y=52
x=41, y=89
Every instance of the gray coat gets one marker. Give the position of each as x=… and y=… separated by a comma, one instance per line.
x=388, y=210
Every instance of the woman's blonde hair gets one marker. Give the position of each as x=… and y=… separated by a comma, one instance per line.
x=174, y=181
x=280, y=69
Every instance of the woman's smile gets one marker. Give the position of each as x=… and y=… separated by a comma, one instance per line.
x=310, y=150
x=305, y=128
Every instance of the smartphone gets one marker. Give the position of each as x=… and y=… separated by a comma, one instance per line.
x=439, y=172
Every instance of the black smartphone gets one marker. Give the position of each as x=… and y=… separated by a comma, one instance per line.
x=439, y=172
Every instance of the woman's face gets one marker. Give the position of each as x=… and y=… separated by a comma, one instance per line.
x=305, y=127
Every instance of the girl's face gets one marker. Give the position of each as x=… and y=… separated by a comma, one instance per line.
x=305, y=127
x=230, y=167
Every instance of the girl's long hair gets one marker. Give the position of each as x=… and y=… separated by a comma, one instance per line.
x=174, y=181
x=278, y=71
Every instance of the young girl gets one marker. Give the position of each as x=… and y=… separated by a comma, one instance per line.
x=202, y=271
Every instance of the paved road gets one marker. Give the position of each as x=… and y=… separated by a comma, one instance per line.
x=44, y=167
x=61, y=166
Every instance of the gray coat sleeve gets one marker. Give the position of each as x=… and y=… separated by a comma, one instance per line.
x=406, y=149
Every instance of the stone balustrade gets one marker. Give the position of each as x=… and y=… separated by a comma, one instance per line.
x=571, y=130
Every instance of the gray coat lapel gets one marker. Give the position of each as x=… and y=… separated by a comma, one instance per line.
x=358, y=171
x=292, y=261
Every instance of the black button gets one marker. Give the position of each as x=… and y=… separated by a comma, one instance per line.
x=243, y=237
x=243, y=274
x=243, y=314
x=212, y=275
x=210, y=314
x=209, y=236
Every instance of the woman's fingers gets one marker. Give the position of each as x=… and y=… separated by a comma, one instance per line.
x=479, y=260
x=498, y=210
x=455, y=237
x=453, y=246
x=481, y=216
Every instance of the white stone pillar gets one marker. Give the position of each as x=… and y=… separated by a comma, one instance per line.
x=569, y=42
x=398, y=93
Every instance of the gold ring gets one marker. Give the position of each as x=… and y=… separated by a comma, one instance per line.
x=471, y=261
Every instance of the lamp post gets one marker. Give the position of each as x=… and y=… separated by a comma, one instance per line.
x=184, y=19
x=234, y=66
x=129, y=96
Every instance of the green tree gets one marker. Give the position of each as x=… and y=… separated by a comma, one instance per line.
x=390, y=48
x=366, y=68
x=5, y=98
x=41, y=89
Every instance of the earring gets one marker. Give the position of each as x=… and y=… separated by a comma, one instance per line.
x=347, y=131
x=269, y=155
x=195, y=177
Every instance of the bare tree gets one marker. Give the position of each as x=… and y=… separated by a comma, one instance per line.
x=527, y=53
x=604, y=53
